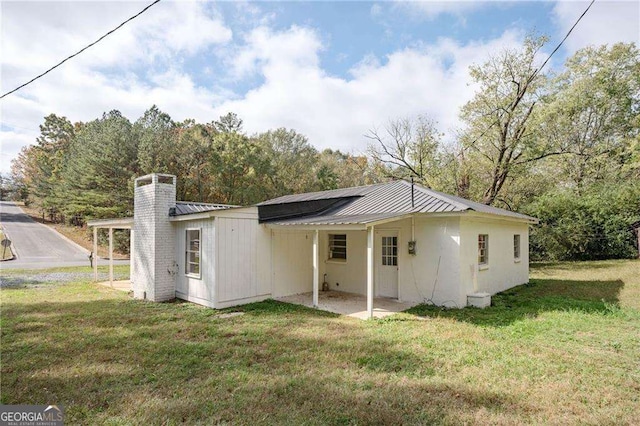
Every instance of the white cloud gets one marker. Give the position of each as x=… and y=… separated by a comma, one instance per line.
x=104, y=77
x=297, y=47
x=432, y=9
x=606, y=22
x=335, y=112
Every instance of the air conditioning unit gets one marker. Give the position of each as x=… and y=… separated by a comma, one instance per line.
x=479, y=300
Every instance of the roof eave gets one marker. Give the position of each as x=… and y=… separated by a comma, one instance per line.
x=494, y=216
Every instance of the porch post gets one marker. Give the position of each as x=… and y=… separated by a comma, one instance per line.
x=131, y=246
x=111, y=256
x=95, y=253
x=316, y=269
x=370, y=236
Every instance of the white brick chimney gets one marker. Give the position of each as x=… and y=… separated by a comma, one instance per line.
x=154, y=243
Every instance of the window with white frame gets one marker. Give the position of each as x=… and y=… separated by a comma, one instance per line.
x=193, y=253
x=516, y=247
x=338, y=247
x=390, y=251
x=483, y=249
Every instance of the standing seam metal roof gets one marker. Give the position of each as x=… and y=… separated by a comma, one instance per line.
x=384, y=201
x=186, y=207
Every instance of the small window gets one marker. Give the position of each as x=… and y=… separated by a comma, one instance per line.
x=337, y=246
x=192, y=253
x=390, y=251
x=516, y=247
x=483, y=249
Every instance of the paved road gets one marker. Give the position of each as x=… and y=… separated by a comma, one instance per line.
x=36, y=245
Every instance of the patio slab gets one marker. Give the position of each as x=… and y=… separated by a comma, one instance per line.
x=349, y=304
x=124, y=285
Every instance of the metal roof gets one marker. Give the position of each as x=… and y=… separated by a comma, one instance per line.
x=383, y=201
x=355, y=191
x=358, y=219
x=186, y=207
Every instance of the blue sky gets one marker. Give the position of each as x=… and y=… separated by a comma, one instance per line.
x=330, y=70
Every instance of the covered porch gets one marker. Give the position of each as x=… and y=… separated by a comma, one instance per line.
x=349, y=304
x=353, y=262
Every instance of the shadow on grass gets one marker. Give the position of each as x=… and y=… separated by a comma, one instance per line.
x=177, y=362
x=532, y=299
x=576, y=265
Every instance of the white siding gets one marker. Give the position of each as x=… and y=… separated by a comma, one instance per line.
x=502, y=271
x=292, y=262
x=197, y=290
x=352, y=274
x=237, y=259
x=433, y=274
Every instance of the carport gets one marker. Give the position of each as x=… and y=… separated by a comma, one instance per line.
x=110, y=224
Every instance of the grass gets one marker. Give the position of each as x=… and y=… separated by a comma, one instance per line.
x=561, y=350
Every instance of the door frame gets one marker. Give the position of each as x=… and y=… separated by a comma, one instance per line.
x=377, y=252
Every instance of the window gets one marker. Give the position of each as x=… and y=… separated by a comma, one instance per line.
x=516, y=247
x=390, y=251
x=337, y=246
x=483, y=249
x=192, y=253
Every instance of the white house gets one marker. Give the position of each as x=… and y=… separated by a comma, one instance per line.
x=394, y=240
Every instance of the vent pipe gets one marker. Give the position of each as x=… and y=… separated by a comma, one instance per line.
x=412, y=195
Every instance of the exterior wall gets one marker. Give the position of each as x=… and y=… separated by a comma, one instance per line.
x=236, y=259
x=154, y=250
x=292, y=268
x=502, y=271
x=243, y=261
x=197, y=290
x=433, y=274
x=349, y=276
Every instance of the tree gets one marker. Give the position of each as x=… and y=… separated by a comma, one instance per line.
x=593, y=107
x=38, y=167
x=407, y=148
x=592, y=225
x=98, y=182
x=237, y=168
x=336, y=169
x=229, y=123
x=291, y=159
x=157, y=148
x=500, y=138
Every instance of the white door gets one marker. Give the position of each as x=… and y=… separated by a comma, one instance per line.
x=387, y=263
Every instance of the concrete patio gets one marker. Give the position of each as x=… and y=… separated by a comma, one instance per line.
x=349, y=304
x=124, y=285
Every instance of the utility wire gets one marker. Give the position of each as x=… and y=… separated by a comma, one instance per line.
x=535, y=73
x=81, y=50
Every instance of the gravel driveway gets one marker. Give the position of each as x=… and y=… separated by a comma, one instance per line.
x=26, y=278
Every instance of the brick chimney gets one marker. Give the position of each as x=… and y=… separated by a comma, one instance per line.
x=154, y=240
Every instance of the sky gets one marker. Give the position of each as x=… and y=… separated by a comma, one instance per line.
x=330, y=70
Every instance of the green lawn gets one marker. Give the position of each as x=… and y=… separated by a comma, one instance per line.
x=562, y=350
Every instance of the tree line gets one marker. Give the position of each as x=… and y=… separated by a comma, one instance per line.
x=562, y=146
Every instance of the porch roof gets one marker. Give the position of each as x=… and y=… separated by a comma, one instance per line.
x=120, y=223
x=358, y=219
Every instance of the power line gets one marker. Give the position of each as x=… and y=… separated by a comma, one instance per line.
x=565, y=37
x=81, y=50
x=535, y=73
